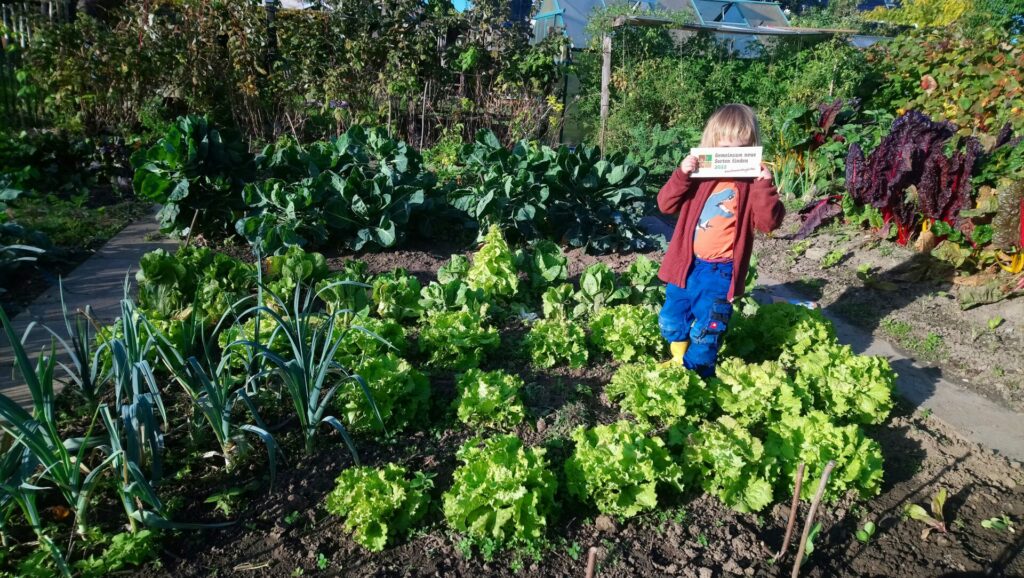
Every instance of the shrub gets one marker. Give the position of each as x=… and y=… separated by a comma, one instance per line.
x=400, y=392
x=457, y=340
x=379, y=503
x=557, y=341
x=658, y=394
x=618, y=468
x=502, y=495
x=627, y=332
x=489, y=399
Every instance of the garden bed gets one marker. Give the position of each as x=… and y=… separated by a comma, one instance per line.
x=286, y=530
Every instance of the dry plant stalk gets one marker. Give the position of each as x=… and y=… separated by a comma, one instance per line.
x=809, y=523
x=591, y=561
x=792, y=511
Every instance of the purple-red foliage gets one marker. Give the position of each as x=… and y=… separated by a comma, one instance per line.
x=817, y=213
x=945, y=187
x=912, y=154
x=827, y=114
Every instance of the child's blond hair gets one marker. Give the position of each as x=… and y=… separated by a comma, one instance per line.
x=736, y=122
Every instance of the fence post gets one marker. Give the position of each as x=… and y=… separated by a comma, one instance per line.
x=606, y=79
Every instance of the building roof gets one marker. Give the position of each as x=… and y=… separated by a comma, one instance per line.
x=572, y=16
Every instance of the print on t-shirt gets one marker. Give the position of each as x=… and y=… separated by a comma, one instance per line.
x=715, y=234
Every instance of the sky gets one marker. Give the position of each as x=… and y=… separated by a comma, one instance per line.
x=461, y=4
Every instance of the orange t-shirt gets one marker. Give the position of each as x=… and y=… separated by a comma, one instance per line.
x=715, y=235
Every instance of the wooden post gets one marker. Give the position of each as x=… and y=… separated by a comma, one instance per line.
x=606, y=80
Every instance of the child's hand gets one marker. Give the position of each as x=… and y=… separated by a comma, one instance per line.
x=766, y=174
x=689, y=164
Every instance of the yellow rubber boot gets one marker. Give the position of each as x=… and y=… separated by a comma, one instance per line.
x=678, y=349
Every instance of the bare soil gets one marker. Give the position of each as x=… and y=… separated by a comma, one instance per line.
x=285, y=531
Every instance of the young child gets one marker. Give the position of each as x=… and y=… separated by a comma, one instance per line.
x=706, y=263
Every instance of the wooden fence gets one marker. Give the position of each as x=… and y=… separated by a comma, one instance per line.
x=21, y=106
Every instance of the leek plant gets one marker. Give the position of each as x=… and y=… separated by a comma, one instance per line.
x=37, y=445
x=79, y=343
x=308, y=370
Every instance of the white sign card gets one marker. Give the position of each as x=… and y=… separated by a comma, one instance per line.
x=721, y=162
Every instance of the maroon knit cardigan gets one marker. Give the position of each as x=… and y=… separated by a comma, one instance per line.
x=758, y=207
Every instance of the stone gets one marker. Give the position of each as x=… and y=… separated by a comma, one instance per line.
x=605, y=524
x=705, y=573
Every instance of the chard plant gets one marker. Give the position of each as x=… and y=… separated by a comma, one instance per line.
x=935, y=521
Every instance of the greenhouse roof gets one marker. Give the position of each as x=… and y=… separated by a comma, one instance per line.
x=728, y=16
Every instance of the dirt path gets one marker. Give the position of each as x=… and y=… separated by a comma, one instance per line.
x=98, y=282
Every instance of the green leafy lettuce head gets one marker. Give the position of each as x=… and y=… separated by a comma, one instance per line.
x=494, y=268
x=552, y=342
x=503, y=493
x=754, y=393
x=814, y=440
x=733, y=466
x=627, y=332
x=849, y=387
x=660, y=395
x=379, y=503
x=619, y=467
x=489, y=399
x=400, y=393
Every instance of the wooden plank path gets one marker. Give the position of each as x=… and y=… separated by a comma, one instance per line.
x=98, y=282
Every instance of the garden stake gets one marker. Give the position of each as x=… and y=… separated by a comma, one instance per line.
x=810, y=516
x=191, y=228
x=591, y=561
x=792, y=512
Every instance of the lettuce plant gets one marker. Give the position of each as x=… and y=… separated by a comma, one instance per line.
x=502, y=495
x=365, y=338
x=489, y=399
x=400, y=392
x=642, y=279
x=849, y=387
x=494, y=270
x=756, y=393
x=545, y=264
x=452, y=295
x=293, y=268
x=599, y=288
x=814, y=440
x=732, y=465
x=618, y=468
x=457, y=340
x=662, y=395
x=555, y=301
x=379, y=503
x=554, y=342
x=778, y=331
x=397, y=295
x=627, y=332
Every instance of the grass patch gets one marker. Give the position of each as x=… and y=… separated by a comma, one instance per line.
x=73, y=225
